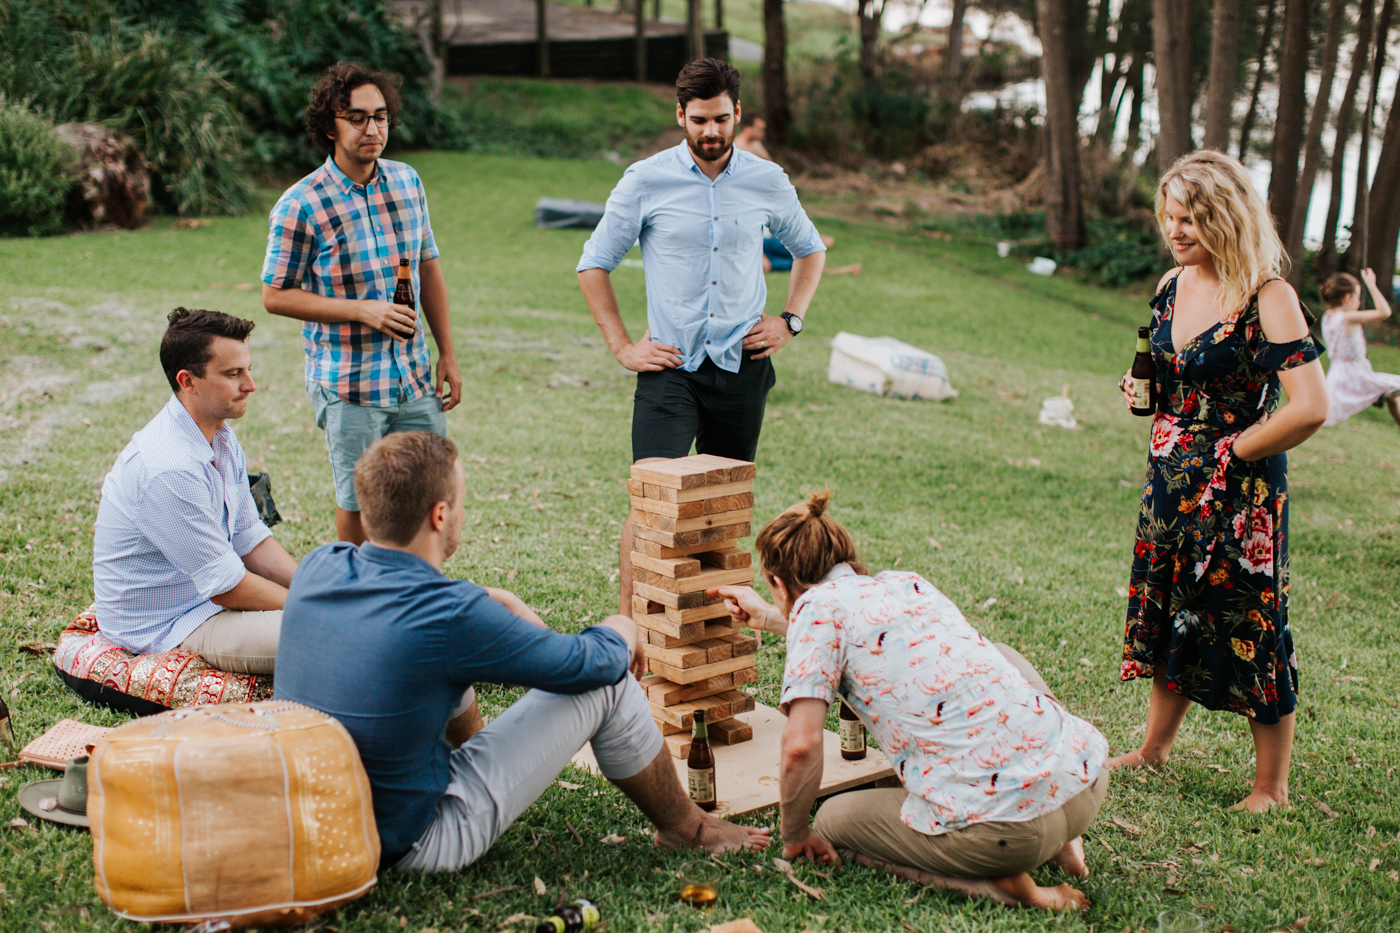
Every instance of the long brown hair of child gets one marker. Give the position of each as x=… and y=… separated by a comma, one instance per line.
x=802, y=544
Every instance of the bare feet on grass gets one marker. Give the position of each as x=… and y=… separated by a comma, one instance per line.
x=969, y=887
x=1135, y=759
x=1071, y=858
x=715, y=835
x=1262, y=801
x=1029, y=894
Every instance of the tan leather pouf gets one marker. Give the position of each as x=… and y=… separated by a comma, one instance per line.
x=257, y=814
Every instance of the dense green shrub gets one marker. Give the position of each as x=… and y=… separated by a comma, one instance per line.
x=538, y=118
x=35, y=171
x=1121, y=250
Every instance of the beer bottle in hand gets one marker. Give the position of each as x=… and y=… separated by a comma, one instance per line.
x=403, y=292
x=700, y=766
x=1142, y=380
x=852, y=734
x=577, y=917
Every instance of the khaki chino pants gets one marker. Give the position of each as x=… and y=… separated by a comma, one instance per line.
x=238, y=641
x=868, y=822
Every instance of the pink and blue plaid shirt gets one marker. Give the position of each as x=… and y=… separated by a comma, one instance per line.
x=335, y=238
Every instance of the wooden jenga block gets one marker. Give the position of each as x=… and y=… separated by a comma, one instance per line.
x=680, y=473
x=645, y=609
x=683, y=714
x=694, y=508
x=720, y=535
x=746, y=675
x=729, y=558
x=698, y=523
x=739, y=644
x=698, y=494
x=704, y=671
x=692, y=584
x=692, y=655
x=739, y=702
x=662, y=692
x=725, y=470
x=664, y=551
x=636, y=487
x=668, y=729
x=716, y=649
x=674, y=567
x=713, y=629
x=678, y=745
x=677, y=600
x=728, y=732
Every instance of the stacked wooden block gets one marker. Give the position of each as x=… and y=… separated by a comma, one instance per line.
x=688, y=515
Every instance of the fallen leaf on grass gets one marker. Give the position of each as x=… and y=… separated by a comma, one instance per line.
x=39, y=648
x=1300, y=923
x=1375, y=863
x=934, y=544
x=1394, y=875
x=1122, y=591
x=540, y=889
x=1331, y=814
x=1173, y=892
x=568, y=785
x=989, y=602
x=493, y=892
x=190, y=223
x=1126, y=826
x=915, y=899
x=515, y=918
x=403, y=922
x=14, y=688
x=742, y=925
x=1316, y=862
x=1086, y=662
x=21, y=823
x=614, y=839
x=785, y=867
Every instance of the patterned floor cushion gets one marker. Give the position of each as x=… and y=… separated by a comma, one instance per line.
x=103, y=672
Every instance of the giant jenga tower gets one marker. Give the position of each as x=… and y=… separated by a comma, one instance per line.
x=690, y=513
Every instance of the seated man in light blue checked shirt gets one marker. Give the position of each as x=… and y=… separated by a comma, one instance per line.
x=333, y=253
x=704, y=365
x=180, y=558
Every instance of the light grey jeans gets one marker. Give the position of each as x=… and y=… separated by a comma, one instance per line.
x=505, y=767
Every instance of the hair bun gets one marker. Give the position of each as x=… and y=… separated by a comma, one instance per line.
x=817, y=502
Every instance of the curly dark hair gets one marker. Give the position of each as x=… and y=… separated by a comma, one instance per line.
x=331, y=93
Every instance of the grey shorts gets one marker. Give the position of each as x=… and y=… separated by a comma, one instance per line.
x=351, y=428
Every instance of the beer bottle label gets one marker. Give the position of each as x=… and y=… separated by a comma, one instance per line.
x=702, y=784
x=1142, y=393
x=852, y=735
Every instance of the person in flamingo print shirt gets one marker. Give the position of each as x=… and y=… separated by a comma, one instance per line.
x=997, y=777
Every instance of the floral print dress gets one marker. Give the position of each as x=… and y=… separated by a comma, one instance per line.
x=1208, y=597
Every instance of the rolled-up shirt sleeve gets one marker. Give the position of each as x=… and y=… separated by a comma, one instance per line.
x=179, y=519
x=291, y=244
x=620, y=226
x=792, y=226
x=814, y=655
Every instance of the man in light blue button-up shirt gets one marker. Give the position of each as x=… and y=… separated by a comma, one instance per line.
x=180, y=558
x=704, y=365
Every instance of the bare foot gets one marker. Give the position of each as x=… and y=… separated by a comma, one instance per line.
x=1071, y=858
x=716, y=835
x=1261, y=802
x=1134, y=759
x=969, y=887
x=1029, y=894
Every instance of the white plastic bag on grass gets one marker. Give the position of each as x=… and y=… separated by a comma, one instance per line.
x=885, y=366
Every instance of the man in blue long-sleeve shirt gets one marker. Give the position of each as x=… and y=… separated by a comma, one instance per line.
x=380, y=639
x=704, y=366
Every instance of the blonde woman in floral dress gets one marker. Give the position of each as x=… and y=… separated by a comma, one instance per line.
x=1208, y=601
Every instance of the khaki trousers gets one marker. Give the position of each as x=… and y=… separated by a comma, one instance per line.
x=237, y=641
x=868, y=822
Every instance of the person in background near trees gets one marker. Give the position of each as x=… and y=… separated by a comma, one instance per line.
x=382, y=640
x=1208, y=598
x=997, y=777
x=180, y=558
x=704, y=365
x=776, y=257
x=332, y=261
x=1352, y=384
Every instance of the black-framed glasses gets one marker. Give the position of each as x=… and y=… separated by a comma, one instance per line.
x=359, y=120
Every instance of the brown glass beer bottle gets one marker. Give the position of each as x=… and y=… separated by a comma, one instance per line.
x=1142, y=380
x=852, y=734
x=403, y=292
x=700, y=766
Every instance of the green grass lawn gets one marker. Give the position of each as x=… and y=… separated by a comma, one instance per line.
x=1028, y=528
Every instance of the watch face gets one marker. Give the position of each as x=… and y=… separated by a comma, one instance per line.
x=794, y=323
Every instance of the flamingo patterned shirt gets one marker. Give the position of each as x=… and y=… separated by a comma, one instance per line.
x=969, y=738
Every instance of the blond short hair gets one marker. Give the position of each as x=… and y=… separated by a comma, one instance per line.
x=1232, y=222
x=399, y=479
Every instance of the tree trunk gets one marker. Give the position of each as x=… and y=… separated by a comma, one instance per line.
x=1290, y=113
x=868, y=14
x=775, y=90
x=641, y=48
x=1312, y=142
x=719, y=14
x=1266, y=36
x=542, y=35
x=695, y=28
x=1171, y=57
x=953, y=62
x=1383, y=227
x=1133, y=85
x=1109, y=108
x=1326, y=262
x=1357, y=252
x=1064, y=222
x=1224, y=72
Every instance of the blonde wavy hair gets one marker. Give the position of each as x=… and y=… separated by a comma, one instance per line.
x=1232, y=222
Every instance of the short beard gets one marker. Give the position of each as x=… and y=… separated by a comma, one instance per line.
x=695, y=148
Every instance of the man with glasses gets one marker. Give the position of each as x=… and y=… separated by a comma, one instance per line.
x=333, y=254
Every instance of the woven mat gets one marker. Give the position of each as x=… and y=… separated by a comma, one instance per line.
x=64, y=742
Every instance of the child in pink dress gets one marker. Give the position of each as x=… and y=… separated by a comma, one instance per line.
x=1351, y=383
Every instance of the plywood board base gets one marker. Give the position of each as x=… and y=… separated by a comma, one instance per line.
x=747, y=774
